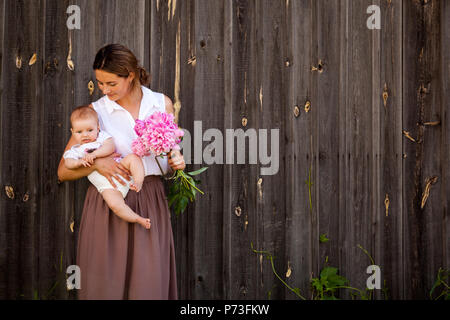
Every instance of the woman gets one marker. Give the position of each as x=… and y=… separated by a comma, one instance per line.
x=118, y=260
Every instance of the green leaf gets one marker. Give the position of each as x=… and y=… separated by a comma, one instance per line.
x=194, y=173
x=180, y=205
x=337, y=280
x=327, y=272
x=183, y=204
x=323, y=238
x=317, y=284
x=174, y=199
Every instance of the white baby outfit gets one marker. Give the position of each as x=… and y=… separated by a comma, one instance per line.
x=99, y=181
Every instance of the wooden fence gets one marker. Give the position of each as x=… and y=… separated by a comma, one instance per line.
x=363, y=138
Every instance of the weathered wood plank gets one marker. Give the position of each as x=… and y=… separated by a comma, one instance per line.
x=20, y=145
x=389, y=255
x=258, y=55
x=241, y=277
x=266, y=86
x=445, y=121
x=421, y=99
x=3, y=227
x=359, y=147
x=298, y=155
x=57, y=83
x=326, y=130
x=433, y=147
x=208, y=90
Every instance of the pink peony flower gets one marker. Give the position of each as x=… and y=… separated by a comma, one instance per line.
x=139, y=127
x=157, y=134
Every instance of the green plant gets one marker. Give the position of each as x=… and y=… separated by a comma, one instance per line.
x=183, y=189
x=323, y=238
x=441, y=283
x=325, y=287
x=269, y=256
x=42, y=296
x=329, y=281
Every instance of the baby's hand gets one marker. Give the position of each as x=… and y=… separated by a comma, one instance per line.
x=136, y=186
x=84, y=163
x=89, y=157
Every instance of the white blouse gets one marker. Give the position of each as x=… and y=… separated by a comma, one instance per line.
x=119, y=123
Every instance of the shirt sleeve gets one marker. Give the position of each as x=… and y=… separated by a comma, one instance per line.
x=70, y=154
x=103, y=136
x=99, y=114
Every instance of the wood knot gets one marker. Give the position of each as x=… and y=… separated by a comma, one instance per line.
x=296, y=111
x=9, y=192
x=307, y=106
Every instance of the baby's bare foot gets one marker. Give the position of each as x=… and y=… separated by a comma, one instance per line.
x=144, y=222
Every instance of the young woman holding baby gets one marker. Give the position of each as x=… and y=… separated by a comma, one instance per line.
x=118, y=259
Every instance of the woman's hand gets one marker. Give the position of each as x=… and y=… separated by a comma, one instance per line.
x=176, y=160
x=108, y=167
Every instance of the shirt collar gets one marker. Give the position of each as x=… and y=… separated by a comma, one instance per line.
x=112, y=105
x=145, y=105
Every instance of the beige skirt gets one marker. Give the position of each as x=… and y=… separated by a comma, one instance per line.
x=120, y=260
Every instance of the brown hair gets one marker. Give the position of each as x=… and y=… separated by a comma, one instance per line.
x=119, y=60
x=83, y=112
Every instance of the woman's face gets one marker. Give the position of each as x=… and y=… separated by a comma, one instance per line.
x=112, y=85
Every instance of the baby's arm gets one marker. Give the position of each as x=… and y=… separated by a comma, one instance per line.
x=108, y=147
x=75, y=164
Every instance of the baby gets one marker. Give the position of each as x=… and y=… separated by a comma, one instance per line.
x=92, y=144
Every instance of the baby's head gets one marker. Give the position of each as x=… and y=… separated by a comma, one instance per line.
x=85, y=126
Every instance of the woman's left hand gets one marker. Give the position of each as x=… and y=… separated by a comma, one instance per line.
x=176, y=160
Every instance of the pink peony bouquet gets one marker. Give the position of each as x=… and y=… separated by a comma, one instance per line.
x=158, y=134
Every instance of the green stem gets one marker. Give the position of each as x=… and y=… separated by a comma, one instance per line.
x=162, y=172
x=193, y=185
x=367, y=253
x=273, y=269
x=276, y=274
x=344, y=287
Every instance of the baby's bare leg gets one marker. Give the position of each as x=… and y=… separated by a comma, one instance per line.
x=134, y=163
x=117, y=204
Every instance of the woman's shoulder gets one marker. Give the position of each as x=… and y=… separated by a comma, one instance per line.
x=161, y=100
x=169, y=105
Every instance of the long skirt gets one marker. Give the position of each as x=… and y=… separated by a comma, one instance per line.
x=120, y=260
